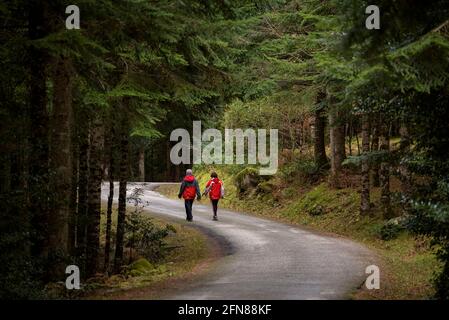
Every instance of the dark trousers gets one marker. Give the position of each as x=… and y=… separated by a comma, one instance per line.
x=215, y=206
x=188, y=204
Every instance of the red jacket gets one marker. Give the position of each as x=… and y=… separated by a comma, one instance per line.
x=215, y=185
x=189, y=189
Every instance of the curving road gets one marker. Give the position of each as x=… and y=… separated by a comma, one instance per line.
x=266, y=259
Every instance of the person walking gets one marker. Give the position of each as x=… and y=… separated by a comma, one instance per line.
x=215, y=189
x=189, y=190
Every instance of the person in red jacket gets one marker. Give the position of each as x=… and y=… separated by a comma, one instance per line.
x=189, y=190
x=215, y=189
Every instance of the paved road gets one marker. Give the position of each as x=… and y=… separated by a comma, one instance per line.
x=266, y=259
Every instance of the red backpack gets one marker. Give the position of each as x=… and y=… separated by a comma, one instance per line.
x=215, y=189
x=189, y=189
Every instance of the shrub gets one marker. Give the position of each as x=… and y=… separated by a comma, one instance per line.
x=316, y=210
x=142, y=235
x=139, y=267
x=146, y=238
x=392, y=228
x=303, y=168
x=432, y=219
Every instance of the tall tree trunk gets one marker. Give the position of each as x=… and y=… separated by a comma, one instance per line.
x=131, y=164
x=384, y=173
x=61, y=167
x=83, y=193
x=375, y=147
x=142, y=164
x=110, y=143
x=14, y=214
x=38, y=140
x=73, y=201
x=151, y=177
x=168, y=164
x=358, y=143
x=350, y=131
x=365, y=203
x=124, y=150
x=405, y=174
x=319, y=142
x=74, y=189
x=94, y=198
x=337, y=146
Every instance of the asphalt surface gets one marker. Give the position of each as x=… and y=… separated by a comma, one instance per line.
x=265, y=259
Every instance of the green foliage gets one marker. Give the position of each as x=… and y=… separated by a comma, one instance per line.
x=391, y=229
x=142, y=235
x=19, y=277
x=404, y=71
x=145, y=237
x=432, y=218
x=139, y=267
x=317, y=202
x=302, y=168
x=156, y=64
x=282, y=110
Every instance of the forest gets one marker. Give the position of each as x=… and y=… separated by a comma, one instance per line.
x=359, y=109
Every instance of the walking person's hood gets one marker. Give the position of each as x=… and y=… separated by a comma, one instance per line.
x=189, y=179
x=215, y=180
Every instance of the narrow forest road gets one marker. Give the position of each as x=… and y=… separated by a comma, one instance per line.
x=265, y=259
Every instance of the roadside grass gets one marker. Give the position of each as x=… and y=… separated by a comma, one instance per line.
x=407, y=264
x=144, y=279
x=407, y=270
